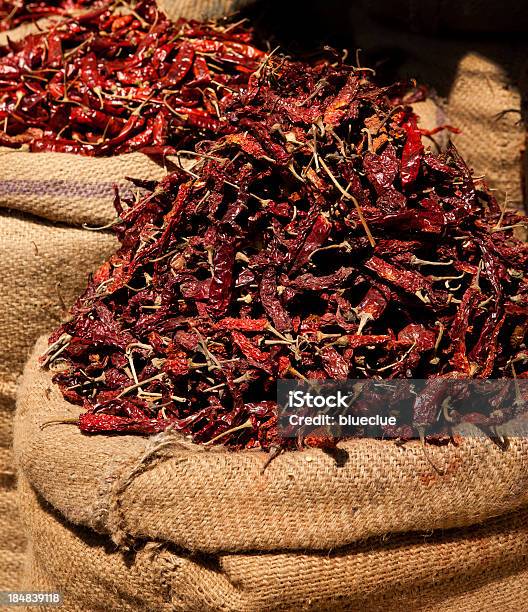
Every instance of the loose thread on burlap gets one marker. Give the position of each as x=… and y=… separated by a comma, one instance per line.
x=152, y=456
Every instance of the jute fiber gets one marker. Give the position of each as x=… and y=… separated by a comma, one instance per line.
x=45, y=257
x=40, y=264
x=160, y=523
x=68, y=188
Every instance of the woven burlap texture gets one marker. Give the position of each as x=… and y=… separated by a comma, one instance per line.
x=35, y=258
x=384, y=528
x=475, y=570
x=45, y=257
x=68, y=188
x=202, y=9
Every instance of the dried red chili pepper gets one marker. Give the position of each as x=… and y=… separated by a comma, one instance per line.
x=232, y=323
x=412, y=152
x=116, y=83
x=252, y=353
x=14, y=13
x=97, y=423
x=290, y=249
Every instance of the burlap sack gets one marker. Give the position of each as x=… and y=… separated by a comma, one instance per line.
x=35, y=258
x=202, y=9
x=478, y=82
x=206, y=529
x=45, y=257
x=44, y=199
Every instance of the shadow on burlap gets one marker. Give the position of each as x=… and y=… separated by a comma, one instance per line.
x=46, y=255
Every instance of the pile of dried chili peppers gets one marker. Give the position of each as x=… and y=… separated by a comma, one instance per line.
x=121, y=77
x=314, y=238
x=17, y=12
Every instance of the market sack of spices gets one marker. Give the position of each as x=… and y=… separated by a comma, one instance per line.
x=208, y=529
x=313, y=237
x=107, y=83
x=43, y=266
x=48, y=198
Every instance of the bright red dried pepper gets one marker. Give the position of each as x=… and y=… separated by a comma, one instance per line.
x=116, y=83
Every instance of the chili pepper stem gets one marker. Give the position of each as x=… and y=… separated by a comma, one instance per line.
x=65, y=421
x=445, y=411
x=421, y=433
x=424, y=262
x=292, y=169
x=245, y=425
x=277, y=333
x=274, y=452
x=297, y=374
x=402, y=358
x=132, y=367
x=140, y=383
x=364, y=317
x=65, y=339
x=349, y=196
x=212, y=361
x=508, y=227
x=503, y=212
x=422, y=297
x=342, y=245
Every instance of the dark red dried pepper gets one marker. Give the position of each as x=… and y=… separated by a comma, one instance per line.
x=258, y=262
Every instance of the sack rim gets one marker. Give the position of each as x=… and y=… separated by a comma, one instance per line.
x=164, y=488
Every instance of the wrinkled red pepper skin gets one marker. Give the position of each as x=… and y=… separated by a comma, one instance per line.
x=271, y=302
x=97, y=423
x=222, y=280
x=412, y=152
